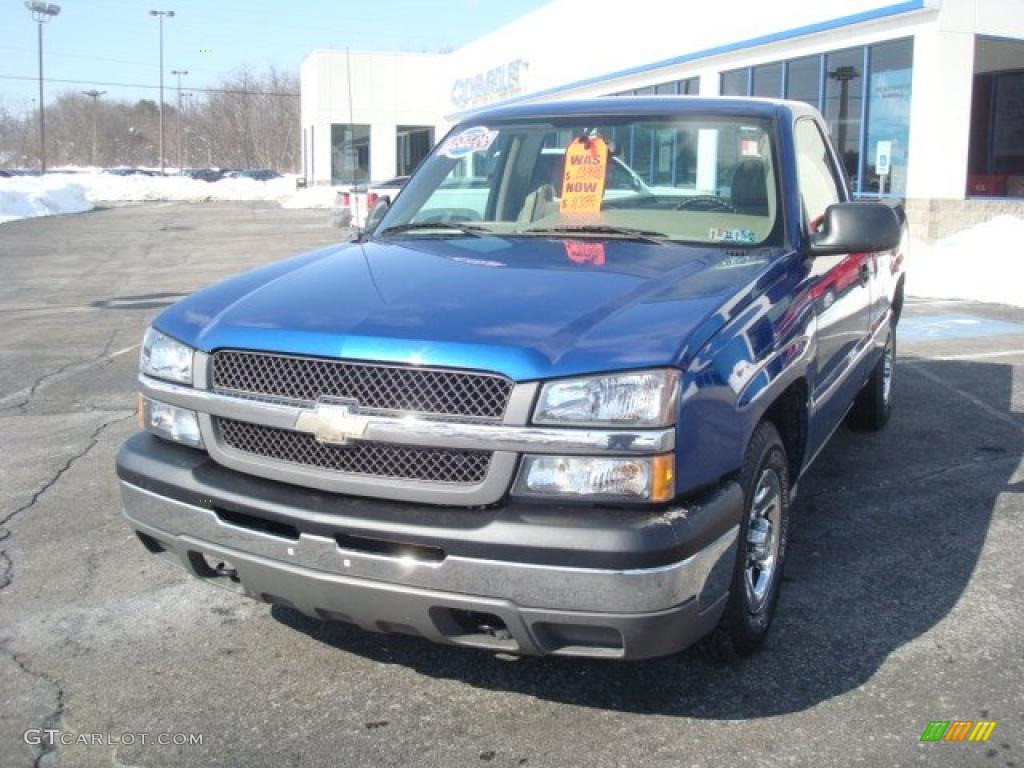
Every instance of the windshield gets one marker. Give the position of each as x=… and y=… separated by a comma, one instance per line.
x=692, y=179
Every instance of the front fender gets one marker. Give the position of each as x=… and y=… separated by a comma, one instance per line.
x=736, y=376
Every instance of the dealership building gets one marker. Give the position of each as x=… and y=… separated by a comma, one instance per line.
x=924, y=98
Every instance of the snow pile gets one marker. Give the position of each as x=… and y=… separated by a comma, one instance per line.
x=311, y=197
x=984, y=263
x=25, y=197
x=55, y=193
x=108, y=187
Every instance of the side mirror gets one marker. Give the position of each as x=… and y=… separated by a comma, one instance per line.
x=376, y=214
x=856, y=228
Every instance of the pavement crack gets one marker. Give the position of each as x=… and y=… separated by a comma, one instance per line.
x=94, y=439
x=6, y=569
x=78, y=366
x=53, y=718
x=7, y=574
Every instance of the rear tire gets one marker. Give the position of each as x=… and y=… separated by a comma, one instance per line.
x=760, y=549
x=873, y=406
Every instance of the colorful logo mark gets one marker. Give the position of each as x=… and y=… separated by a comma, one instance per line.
x=958, y=730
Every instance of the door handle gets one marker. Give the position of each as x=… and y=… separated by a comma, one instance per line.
x=865, y=274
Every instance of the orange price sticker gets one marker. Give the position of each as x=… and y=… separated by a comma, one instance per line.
x=586, y=161
x=585, y=253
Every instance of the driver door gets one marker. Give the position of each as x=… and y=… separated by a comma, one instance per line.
x=840, y=287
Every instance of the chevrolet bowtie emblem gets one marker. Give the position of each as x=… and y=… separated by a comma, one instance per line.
x=333, y=422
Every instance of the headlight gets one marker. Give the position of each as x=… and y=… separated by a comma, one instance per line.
x=642, y=479
x=638, y=399
x=165, y=358
x=171, y=422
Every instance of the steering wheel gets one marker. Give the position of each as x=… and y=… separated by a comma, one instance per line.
x=706, y=203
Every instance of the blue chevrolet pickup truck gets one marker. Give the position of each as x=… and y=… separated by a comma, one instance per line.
x=556, y=399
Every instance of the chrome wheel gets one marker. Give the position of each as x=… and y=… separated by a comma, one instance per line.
x=763, y=535
x=888, y=366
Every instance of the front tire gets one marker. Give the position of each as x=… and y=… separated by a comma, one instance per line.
x=873, y=406
x=760, y=551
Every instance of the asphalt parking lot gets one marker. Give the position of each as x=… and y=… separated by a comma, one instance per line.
x=904, y=600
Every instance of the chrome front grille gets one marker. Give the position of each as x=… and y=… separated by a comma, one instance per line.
x=434, y=465
x=374, y=387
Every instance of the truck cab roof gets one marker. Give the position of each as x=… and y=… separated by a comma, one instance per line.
x=645, y=105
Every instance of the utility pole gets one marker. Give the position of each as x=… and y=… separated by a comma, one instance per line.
x=179, y=73
x=94, y=95
x=161, y=15
x=41, y=14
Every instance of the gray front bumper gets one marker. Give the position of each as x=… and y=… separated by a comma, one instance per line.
x=539, y=609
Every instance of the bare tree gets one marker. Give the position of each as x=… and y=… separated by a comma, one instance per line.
x=248, y=121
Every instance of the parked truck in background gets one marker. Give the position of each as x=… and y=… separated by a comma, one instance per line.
x=550, y=416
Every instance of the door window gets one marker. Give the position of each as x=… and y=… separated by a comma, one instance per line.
x=818, y=187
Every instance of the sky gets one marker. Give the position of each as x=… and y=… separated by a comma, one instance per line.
x=117, y=41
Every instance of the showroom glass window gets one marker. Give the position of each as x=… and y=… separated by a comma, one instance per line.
x=803, y=80
x=864, y=94
x=767, y=81
x=412, y=145
x=844, y=85
x=736, y=83
x=689, y=87
x=350, y=154
x=888, y=115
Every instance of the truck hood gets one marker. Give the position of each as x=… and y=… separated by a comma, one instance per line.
x=528, y=308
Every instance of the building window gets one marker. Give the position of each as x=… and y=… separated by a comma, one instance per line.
x=803, y=80
x=350, y=154
x=736, y=83
x=1008, y=125
x=689, y=87
x=888, y=117
x=995, y=161
x=413, y=144
x=844, y=85
x=864, y=95
x=767, y=81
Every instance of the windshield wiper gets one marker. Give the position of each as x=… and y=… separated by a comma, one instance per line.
x=646, y=235
x=418, y=226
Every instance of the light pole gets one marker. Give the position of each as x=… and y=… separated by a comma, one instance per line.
x=160, y=15
x=843, y=75
x=179, y=73
x=94, y=95
x=41, y=13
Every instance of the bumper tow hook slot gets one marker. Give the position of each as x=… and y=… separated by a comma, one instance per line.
x=225, y=569
x=497, y=632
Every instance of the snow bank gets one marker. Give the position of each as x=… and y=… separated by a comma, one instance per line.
x=55, y=193
x=311, y=197
x=107, y=187
x=984, y=263
x=26, y=197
